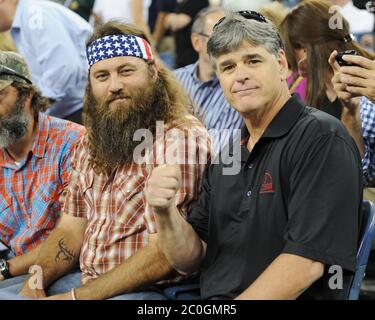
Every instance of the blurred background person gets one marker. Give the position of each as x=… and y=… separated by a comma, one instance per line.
x=162, y=38
x=82, y=7
x=180, y=22
x=129, y=11
x=237, y=5
x=276, y=12
x=51, y=38
x=309, y=42
x=200, y=81
x=360, y=21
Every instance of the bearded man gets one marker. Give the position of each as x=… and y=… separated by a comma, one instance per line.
x=106, y=222
x=34, y=167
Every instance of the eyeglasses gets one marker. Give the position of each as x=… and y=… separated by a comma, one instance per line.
x=10, y=72
x=203, y=34
x=247, y=14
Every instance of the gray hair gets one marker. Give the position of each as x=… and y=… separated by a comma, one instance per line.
x=234, y=29
x=200, y=19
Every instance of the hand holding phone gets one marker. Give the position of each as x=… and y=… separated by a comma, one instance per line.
x=341, y=61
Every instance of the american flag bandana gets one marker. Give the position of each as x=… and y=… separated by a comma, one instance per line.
x=118, y=46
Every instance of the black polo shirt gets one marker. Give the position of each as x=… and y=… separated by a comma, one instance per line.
x=298, y=192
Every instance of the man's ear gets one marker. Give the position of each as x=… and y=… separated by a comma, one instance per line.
x=27, y=103
x=283, y=64
x=154, y=71
x=196, y=42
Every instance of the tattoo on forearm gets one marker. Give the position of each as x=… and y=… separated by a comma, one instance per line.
x=64, y=253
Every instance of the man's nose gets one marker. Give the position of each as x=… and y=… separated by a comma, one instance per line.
x=115, y=85
x=242, y=74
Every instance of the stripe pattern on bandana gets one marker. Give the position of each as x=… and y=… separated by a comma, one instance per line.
x=118, y=46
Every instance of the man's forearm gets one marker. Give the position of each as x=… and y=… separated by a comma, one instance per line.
x=179, y=242
x=146, y=267
x=286, y=278
x=58, y=254
x=159, y=29
x=21, y=264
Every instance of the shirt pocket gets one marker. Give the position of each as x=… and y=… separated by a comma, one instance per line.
x=45, y=205
x=130, y=208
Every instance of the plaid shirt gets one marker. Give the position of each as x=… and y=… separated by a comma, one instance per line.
x=368, y=133
x=119, y=218
x=30, y=190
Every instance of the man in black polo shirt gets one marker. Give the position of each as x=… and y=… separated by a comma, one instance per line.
x=273, y=230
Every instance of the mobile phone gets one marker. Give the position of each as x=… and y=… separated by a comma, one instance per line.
x=342, y=62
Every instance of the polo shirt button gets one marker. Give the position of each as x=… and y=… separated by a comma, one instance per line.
x=248, y=194
x=251, y=166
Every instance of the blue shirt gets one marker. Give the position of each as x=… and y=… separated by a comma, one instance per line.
x=368, y=133
x=52, y=38
x=219, y=117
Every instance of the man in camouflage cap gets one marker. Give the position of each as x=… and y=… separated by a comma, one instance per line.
x=34, y=167
x=13, y=69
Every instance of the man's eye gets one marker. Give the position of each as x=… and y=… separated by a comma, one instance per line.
x=228, y=68
x=126, y=71
x=253, y=61
x=101, y=77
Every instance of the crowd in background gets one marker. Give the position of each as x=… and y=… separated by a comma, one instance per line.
x=55, y=52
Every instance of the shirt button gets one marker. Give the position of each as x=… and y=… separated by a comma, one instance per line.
x=251, y=165
x=248, y=194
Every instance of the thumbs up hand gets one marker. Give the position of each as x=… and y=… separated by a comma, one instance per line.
x=162, y=187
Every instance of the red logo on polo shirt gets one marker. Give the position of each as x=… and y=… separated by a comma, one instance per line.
x=267, y=185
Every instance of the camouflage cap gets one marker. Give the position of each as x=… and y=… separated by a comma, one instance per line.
x=14, y=62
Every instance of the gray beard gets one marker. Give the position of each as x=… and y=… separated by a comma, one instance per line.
x=14, y=126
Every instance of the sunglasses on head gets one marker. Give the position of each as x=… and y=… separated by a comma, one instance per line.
x=247, y=14
x=10, y=72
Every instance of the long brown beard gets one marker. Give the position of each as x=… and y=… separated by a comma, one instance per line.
x=111, y=131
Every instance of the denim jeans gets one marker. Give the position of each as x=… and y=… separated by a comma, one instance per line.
x=66, y=284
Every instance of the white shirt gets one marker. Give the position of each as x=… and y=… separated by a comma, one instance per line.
x=118, y=9
x=237, y=5
x=360, y=21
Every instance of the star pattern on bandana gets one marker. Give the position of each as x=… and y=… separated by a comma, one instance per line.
x=118, y=45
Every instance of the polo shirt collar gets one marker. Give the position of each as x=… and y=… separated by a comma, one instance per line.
x=283, y=122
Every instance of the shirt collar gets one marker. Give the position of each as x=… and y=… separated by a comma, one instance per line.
x=17, y=17
x=283, y=122
x=40, y=141
x=194, y=74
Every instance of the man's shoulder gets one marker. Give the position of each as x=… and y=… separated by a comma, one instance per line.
x=64, y=125
x=320, y=123
x=63, y=129
x=188, y=133
x=187, y=123
x=315, y=130
x=184, y=71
